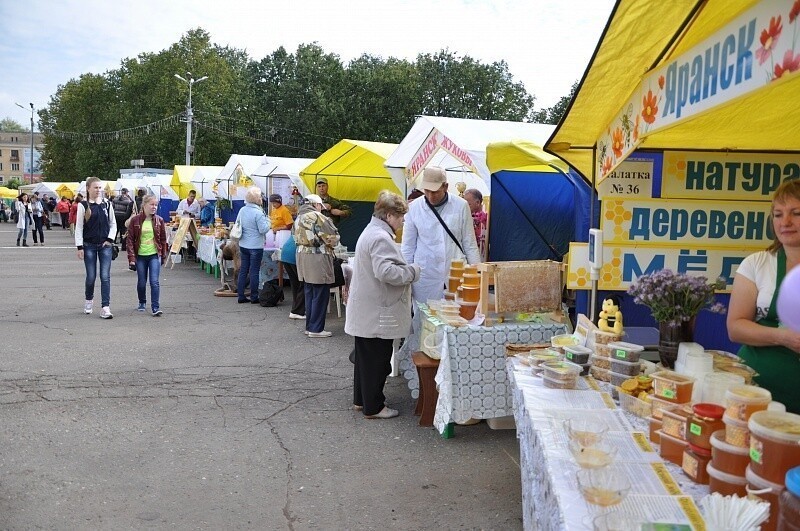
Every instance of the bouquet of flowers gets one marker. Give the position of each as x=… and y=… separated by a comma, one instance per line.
x=676, y=297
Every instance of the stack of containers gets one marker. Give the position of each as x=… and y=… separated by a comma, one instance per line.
x=454, y=280
x=468, y=295
x=624, y=361
x=774, y=450
x=580, y=356
x=601, y=360
x=671, y=389
x=705, y=420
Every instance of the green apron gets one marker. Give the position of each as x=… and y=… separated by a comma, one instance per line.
x=778, y=367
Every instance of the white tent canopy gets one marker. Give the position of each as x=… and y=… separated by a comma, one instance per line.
x=281, y=167
x=159, y=185
x=234, y=178
x=203, y=181
x=131, y=184
x=459, y=146
x=48, y=188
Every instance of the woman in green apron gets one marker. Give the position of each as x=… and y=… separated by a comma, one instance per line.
x=769, y=348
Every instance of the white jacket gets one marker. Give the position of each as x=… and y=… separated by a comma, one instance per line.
x=427, y=244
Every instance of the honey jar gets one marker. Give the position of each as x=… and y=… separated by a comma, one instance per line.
x=704, y=421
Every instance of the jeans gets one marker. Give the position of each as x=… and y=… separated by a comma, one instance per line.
x=23, y=233
x=37, y=227
x=317, y=298
x=92, y=253
x=250, y=268
x=148, y=267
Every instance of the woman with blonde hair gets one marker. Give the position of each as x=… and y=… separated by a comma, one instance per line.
x=147, y=252
x=255, y=225
x=769, y=348
x=95, y=230
x=379, y=306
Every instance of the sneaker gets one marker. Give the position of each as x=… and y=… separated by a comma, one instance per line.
x=157, y=313
x=87, y=307
x=324, y=333
x=296, y=316
x=141, y=307
x=385, y=413
x=106, y=313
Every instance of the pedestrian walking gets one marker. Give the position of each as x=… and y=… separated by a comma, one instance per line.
x=147, y=252
x=95, y=229
x=37, y=211
x=24, y=220
x=73, y=213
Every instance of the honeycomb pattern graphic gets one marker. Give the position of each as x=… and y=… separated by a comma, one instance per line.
x=677, y=168
x=610, y=274
x=617, y=215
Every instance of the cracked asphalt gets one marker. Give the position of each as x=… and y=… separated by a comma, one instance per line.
x=217, y=415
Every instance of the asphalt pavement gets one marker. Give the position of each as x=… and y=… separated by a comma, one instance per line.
x=216, y=415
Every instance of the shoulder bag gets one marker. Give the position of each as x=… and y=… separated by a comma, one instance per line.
x=446, y=228
x=236, y=230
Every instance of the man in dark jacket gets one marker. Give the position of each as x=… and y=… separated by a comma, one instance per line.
x=121, y=203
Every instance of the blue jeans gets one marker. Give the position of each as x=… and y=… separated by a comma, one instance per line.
x=148, y=267
x=23, y=233
x=92, y=253
x=317, y=298
x=250, y=268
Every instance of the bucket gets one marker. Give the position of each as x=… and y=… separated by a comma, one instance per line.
x=774, y=444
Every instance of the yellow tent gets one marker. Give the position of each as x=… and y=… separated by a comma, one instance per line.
x=182, y=178
x=67, y=190
x=354, y=169
x=8, y=193
x=521, y=155
x=686, y=74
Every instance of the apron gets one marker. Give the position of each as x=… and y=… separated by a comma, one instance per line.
x=778, y=367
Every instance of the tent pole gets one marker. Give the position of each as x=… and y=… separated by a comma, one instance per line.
x=593, y=296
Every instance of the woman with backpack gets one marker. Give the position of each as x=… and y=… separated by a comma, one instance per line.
x=147, y=252
x=22, y=208
x=95, y=229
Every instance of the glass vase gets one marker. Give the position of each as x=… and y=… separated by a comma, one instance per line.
x=670, y=336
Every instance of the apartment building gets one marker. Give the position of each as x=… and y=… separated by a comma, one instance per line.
x=15, y=154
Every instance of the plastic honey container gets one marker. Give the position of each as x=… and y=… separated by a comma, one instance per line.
x=671, y=386
x=659, y=406
x=625, y=351
x=725, y=484
x=561, y=370
x=741, y=401
x=577, y=354
x=705, y=420
x=695, y=463
x=774, y=444
x=629, y=368
x=472, y=280
x=763, y=490
x=727, y=458
x=600, y=362
x=471, y=293
x=789, y=517
x=453, y=283
x=655, y=426
x=671, y=449
x=604, y=338
x=674, y=419
x=736, y=432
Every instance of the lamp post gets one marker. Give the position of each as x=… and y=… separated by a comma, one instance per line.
x=189, y=114
x=31, y=166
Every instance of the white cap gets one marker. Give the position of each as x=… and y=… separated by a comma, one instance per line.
x=314, y=199
x=433, y=178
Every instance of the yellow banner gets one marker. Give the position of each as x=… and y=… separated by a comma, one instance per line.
x=741, y=176
x=690, y=224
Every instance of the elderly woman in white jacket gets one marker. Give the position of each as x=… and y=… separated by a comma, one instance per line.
x=379, y=306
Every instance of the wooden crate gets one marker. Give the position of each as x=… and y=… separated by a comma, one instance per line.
x=533, y=286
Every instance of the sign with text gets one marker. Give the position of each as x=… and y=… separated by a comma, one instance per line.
x=688, y=223
x=433, y=143
x=743, y=176
x=741, y=57
x=625, y=263
x=632, y=178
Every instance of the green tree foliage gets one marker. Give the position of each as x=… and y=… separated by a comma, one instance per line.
x=9, y=125
x=553, y=115
x=285, y=104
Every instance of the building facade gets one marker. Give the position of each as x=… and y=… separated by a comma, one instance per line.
x=15, y=157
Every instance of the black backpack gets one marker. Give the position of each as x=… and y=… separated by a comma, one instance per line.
x=270, y=295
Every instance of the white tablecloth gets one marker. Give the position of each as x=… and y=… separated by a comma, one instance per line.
x=207, y=249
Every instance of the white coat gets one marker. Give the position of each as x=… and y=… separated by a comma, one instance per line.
x=427, y=244
x=23, y=211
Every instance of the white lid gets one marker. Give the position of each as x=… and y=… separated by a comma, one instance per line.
x=630, y=347
x=760, y=483
x=623, y=362
x=722, y=476
x=577, y=349
x=775, y=425
x=718, y=441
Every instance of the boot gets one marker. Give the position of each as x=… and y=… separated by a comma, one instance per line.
x=17, y=242
x=25, y=243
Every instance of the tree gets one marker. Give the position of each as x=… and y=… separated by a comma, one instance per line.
x=553, y=115
x=13, y=183
x=10, y=125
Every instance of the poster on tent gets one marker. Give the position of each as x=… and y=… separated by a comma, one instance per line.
x=730, y=176
x=436, y=142
x=623, y=264
x=632, y=178
x=744, y=55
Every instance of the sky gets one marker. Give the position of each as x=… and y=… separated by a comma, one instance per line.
x=547, y=44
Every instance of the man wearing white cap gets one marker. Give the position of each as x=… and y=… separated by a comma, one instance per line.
x=432, y=240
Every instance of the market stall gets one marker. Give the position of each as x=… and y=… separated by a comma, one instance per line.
x=356, y=174
x=197, y=178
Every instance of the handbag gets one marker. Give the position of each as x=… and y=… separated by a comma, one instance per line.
x=236, y=230
x=114, y=251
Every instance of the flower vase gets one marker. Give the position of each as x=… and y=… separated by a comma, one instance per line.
x=670, y=336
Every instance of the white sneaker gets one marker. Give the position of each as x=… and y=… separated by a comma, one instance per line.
x=106, y=313
x=296, y=316
x=324, y=333
x=87, y=307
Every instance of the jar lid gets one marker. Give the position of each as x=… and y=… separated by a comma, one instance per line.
x=793, y=480
x=702, y=452
x=709, y=411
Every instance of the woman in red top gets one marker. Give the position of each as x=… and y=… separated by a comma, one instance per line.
x=73, y=213
x=62, y=207
x=148, y=251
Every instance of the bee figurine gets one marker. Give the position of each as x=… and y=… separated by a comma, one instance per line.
x=610, y=318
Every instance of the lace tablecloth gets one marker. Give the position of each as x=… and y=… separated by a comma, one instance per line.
x=472, y=378
x=550, y=500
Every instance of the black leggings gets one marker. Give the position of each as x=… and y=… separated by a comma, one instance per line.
x=38, y=222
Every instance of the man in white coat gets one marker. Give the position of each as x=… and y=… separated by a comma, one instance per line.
x=427, y=243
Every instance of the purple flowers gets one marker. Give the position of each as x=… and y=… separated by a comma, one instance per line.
x=676, y=297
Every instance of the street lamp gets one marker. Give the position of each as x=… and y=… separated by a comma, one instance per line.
x=31, y=166
x=189, y=115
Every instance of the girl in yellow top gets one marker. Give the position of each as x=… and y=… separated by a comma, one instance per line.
x=147, y=252
x=281, y=220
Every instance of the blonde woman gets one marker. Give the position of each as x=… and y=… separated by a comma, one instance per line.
x=95, y=229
